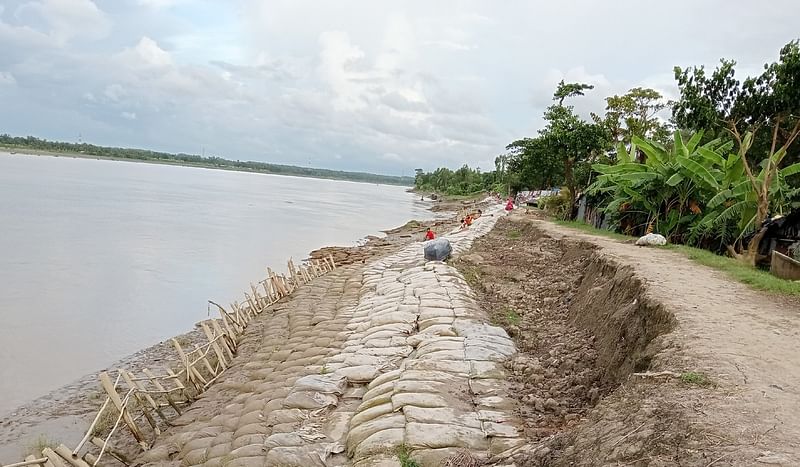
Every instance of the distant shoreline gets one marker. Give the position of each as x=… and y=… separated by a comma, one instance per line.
x=12, y=150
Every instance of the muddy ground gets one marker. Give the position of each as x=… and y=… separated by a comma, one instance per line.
x=635, y=356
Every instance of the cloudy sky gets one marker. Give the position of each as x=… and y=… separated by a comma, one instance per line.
x=366, y=85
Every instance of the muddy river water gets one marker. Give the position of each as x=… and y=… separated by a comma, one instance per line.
x=101, y=258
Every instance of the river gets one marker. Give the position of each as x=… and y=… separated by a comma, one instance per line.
x=99, y=258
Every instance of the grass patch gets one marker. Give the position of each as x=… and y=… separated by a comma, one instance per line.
x=324, y=370
x=36, y=447
x=403, y=454
x=699, y=379
x=756, y=278
x=513, y=234
x=592, y=229
x=512, y=317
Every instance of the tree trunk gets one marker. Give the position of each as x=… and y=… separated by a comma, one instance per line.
x=570, y=179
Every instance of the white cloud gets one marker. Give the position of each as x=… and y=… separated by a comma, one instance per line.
x=66, y=20
x=145, y=54
x=128, y=115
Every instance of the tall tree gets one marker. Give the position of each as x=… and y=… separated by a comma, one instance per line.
x=762, y=114
x=570, y=137
x=635, y=113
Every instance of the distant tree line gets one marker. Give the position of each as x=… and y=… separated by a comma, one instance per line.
x=464, y=181
x=33, y=143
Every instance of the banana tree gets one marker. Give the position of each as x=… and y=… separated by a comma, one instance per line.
x=748, y=197
x=668, y=188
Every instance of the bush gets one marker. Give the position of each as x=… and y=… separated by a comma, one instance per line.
x=557, y=206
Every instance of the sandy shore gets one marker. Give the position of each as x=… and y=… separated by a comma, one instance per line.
x=64, y=414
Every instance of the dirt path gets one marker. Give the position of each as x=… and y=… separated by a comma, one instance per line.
x=593, y=310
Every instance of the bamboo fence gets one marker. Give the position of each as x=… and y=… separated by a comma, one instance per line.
x=144, y=404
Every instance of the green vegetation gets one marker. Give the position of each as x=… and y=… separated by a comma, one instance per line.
x=36, y=447
x=698, y=379
x=512, y=318
x=580, y=225
x=514, y=234
x=403, y=454
x=32, y=144
x=710, y=177
x=464, y=182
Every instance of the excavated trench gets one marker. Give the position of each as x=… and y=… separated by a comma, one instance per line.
x=582, y=324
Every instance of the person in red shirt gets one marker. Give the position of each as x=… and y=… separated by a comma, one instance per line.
x=429, y=235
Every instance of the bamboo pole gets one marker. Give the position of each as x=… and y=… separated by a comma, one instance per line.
x=191, y=372
x=180, y=385
x=204, y=360
x=225, y=318
x=94, y=422
x=103, y=445
x=161, y=387
x=333, y=263
x=225, y=340
x=216, y=347
x=30, y=460
x=141, y=389
x=54, y=458
x=105, y=382
x=67, y=455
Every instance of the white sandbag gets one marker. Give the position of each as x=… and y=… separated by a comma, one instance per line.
x=309, y=400
x=441, y=415
x=327, y=384
x=434, y=436
x=358, y=433
x=379, y=443
x=652, y=239
x=359, y=373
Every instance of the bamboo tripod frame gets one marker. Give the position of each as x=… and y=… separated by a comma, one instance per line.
x=157, y=399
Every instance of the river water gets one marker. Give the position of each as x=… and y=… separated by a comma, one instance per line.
x=99, y=259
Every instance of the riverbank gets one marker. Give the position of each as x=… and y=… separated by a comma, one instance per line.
x=63, y=415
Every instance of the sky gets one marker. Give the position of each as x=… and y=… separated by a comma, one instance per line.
x=366, y=85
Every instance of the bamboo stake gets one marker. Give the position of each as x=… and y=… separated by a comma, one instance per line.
x=192, y=373
x=54, y=458
x=217, y=348
x=74, y=460
x=160, y=387
x=333, y=263
x=96, y=419
x=225, y=340
x=224, y=315
x=205, y=360
x=30, y=460
x=141, y=389
x=180, y=385
x=113, y=452
x=105, y=381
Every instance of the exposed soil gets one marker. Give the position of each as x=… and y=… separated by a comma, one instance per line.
x=632, y=356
